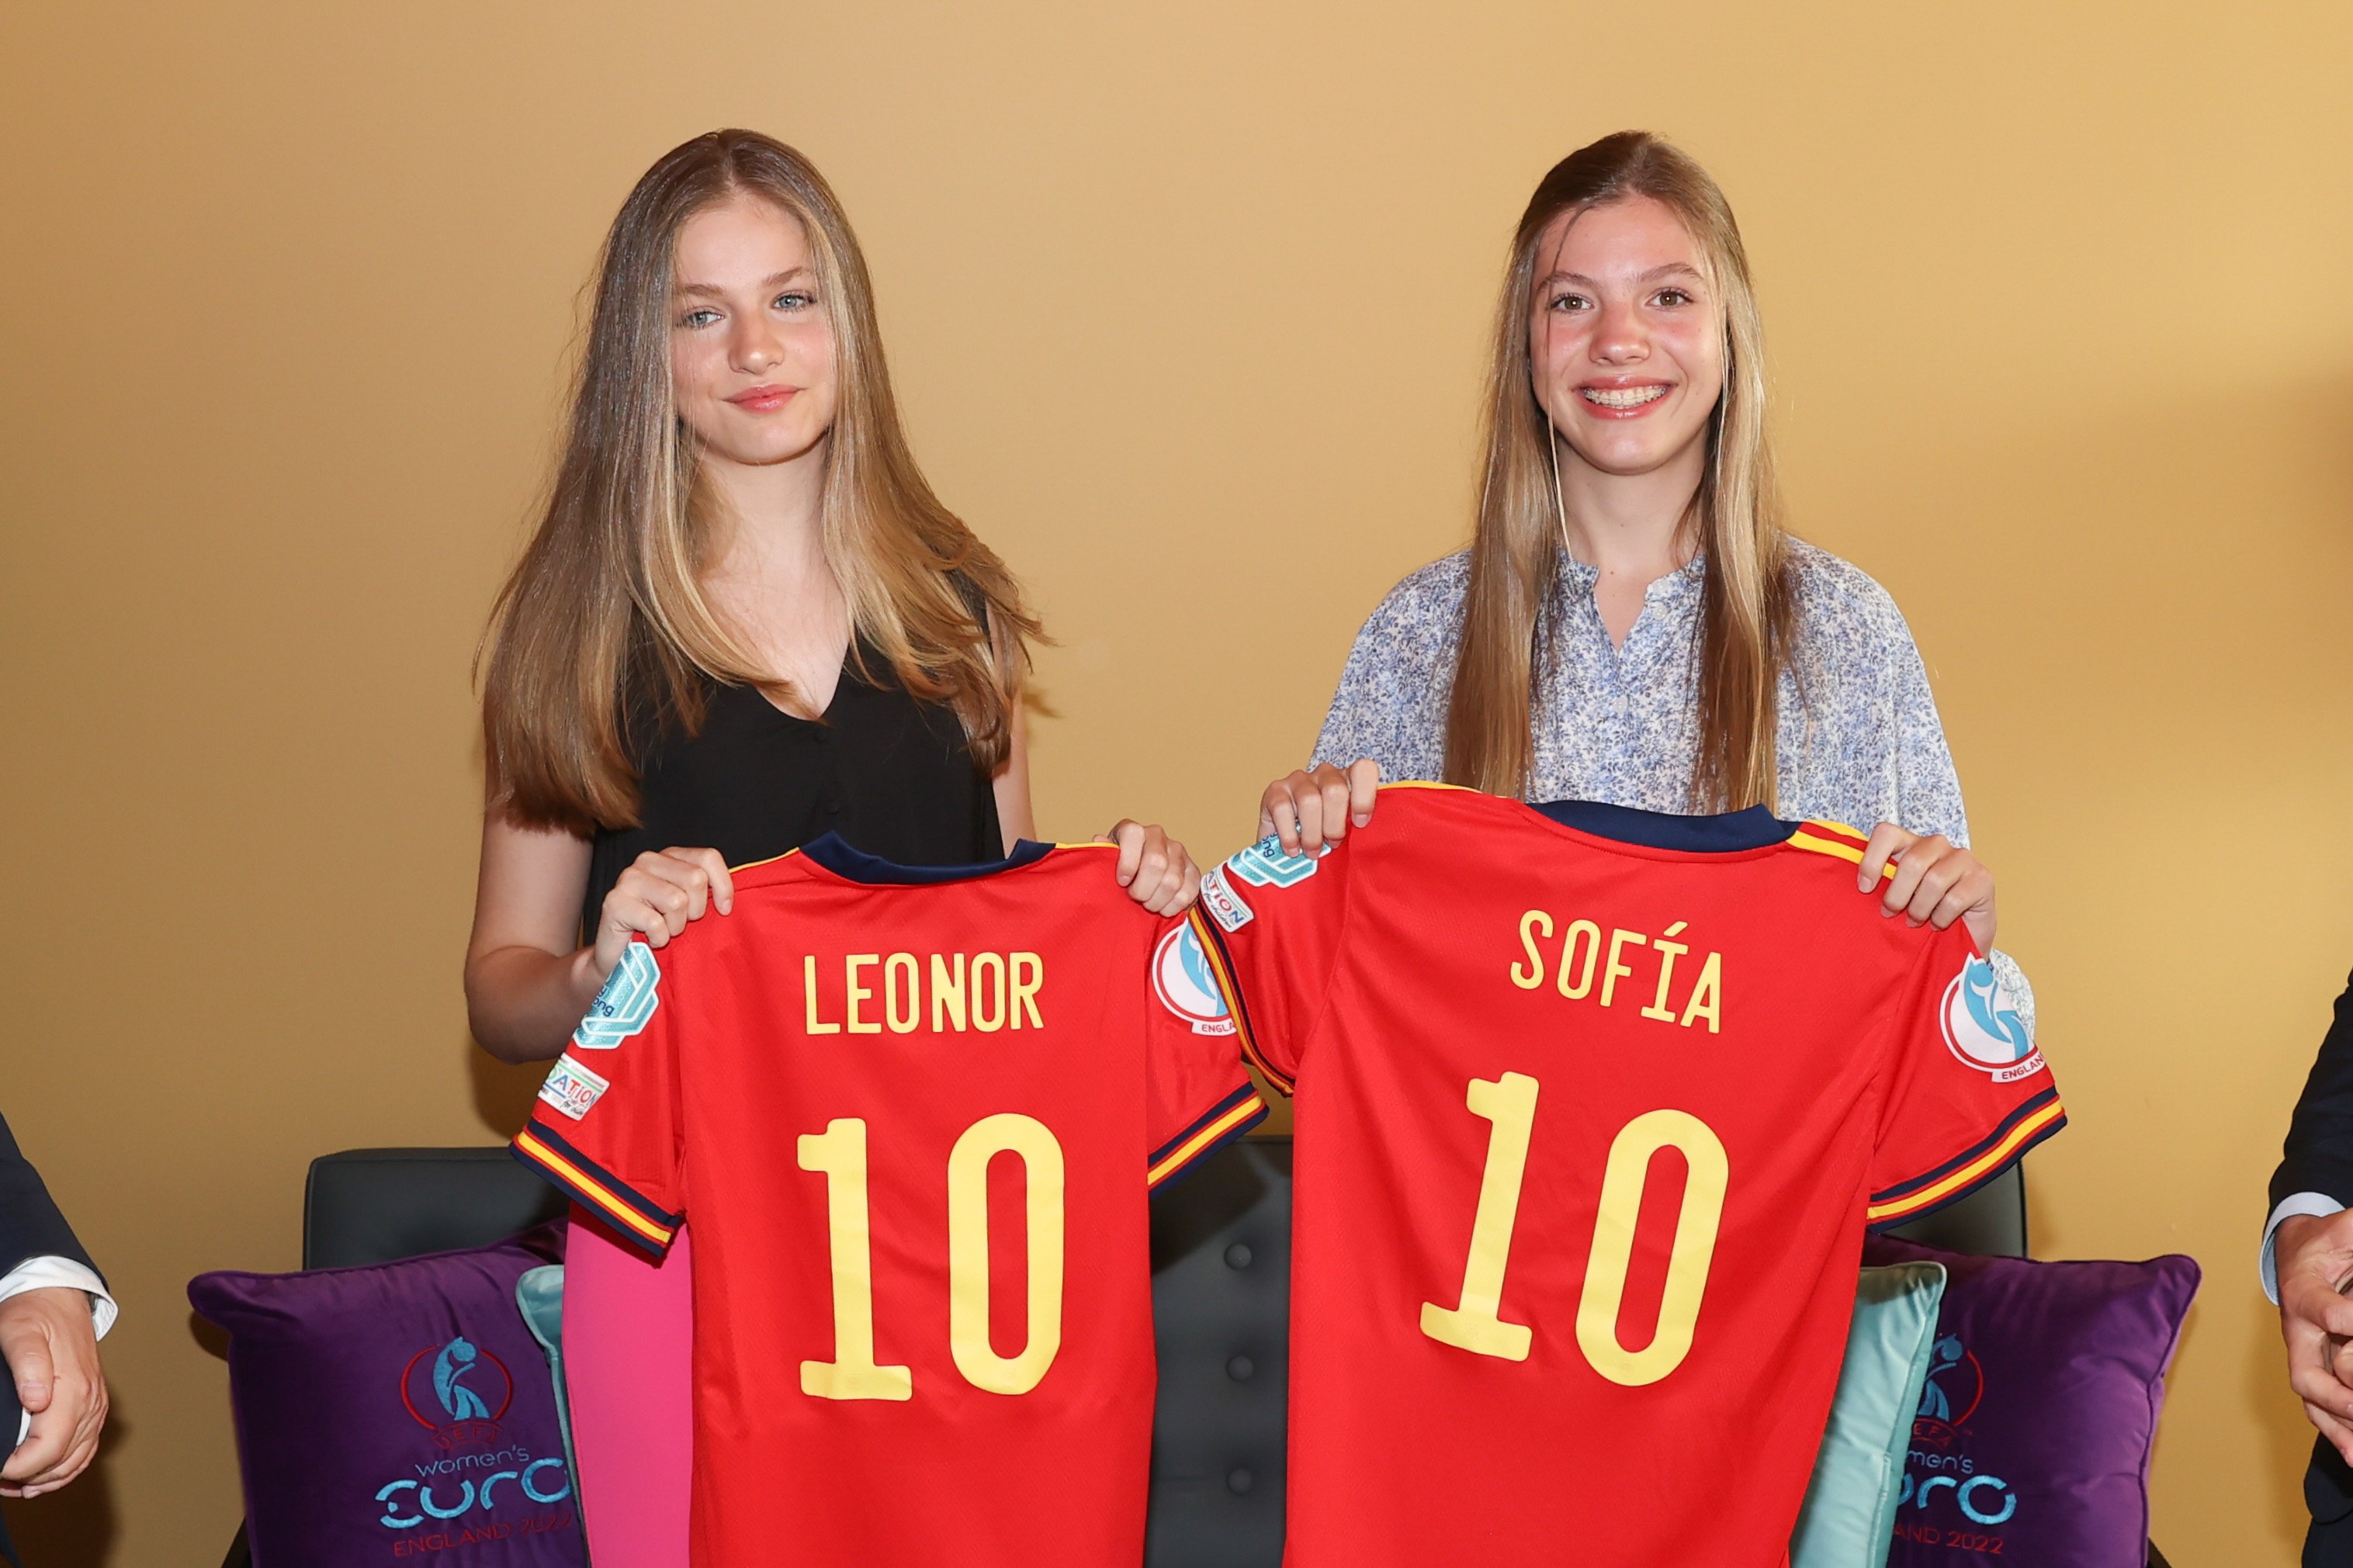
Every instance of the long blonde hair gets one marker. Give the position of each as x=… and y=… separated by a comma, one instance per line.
x=1747, y=613
x=604, y=627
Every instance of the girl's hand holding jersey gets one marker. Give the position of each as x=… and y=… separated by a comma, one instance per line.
x=1154, y=868
x=1315, y=807
x=656, y=896
x=1933, y=882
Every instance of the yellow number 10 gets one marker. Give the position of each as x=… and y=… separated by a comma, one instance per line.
x=1477, y=1324
x=840, y=1152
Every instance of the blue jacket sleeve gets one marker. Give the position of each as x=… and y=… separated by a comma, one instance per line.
x=2317, y=1156
x=30, y=1223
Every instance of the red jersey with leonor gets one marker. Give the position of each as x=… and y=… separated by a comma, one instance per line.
x=914, y=1117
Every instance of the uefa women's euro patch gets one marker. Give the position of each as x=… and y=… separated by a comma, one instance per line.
x=1982, y=1026
x=572, y=1089
x=626, y=1005
x=1181, y=979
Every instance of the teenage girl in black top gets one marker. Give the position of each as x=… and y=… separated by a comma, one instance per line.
x=745, y=619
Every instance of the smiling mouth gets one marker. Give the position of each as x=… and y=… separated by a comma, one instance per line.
x=1621, y=396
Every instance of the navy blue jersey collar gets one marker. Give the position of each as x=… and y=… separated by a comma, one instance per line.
x=834, y=853
x=1755, y=828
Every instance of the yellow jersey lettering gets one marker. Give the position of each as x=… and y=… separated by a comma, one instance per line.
x=1592, y=935
x=900, y=964
x=1582, y=952
x=808, y=993
x=1707, y=996
x=1612, y=971
x=1668, y=952
x=979, y=993
x=992, y=997
x=947, y=992
x=851, y=965
x=1534, y=976
x=1029, y=974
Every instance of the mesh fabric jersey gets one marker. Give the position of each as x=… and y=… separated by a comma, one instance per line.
x=1593, y=1107
x=913, y=1117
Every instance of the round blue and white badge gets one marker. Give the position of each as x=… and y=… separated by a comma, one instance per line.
x=1182, y=980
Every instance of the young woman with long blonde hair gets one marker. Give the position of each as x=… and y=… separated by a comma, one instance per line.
x=744, y=621
x=1631, y=623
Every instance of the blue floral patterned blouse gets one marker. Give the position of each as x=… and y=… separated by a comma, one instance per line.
x=1860, y=740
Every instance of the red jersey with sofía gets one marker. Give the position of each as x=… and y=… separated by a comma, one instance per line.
x=913, y=1117
x=1593, y=1108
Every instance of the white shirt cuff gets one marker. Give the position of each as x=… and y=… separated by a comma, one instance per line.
x=2316, y=1204
x=47, y=1273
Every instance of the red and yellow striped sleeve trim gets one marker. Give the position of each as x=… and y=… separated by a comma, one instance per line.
x=2031, y=1123
x=546, y=1152
x=1223, y=1122
x=1213, y=948
x=1835, y=838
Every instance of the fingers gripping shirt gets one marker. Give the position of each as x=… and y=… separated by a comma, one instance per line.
x=914, y=1118
x=1592, y=1108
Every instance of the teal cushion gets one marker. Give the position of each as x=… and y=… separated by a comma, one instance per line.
x=540, y=1294
x=1848, y=1520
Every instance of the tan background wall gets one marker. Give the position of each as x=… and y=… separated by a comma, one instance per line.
x=1187, y=311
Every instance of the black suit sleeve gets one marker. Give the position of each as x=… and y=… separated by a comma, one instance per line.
x=30, y=1224
x=2318, y=1154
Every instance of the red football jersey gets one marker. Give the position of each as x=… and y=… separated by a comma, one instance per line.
x=1590, y=1121
x=913, y=1117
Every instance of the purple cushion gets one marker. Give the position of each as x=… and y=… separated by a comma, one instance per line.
x=396, y=1412
x=2032, y=1442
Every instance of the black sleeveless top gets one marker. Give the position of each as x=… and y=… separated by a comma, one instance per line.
x=889, y=774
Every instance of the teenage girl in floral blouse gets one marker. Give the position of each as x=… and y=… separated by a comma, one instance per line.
x=1632, y=623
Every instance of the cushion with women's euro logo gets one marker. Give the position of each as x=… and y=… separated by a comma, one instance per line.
x=2032, y=1436
x=399, y=1410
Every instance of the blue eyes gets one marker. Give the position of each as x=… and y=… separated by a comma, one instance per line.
x=792, y=302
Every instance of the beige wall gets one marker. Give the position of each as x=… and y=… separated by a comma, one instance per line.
x=1186, y=312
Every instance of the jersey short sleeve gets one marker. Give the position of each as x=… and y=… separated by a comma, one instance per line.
x=1198, y=1097
x=1967, y=1091
x=606, y=1128
x=1270, y=923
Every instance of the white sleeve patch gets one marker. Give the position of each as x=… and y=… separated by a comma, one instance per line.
x=572, y=1089
x=1224, y=902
